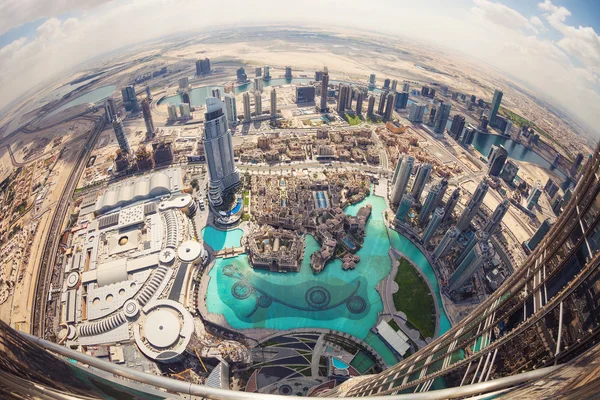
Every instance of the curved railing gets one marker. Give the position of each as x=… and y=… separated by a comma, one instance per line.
x=492, y=387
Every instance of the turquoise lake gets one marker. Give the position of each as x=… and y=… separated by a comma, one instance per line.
x=90, y=97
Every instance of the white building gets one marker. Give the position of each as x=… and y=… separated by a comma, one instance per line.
x=230, y=108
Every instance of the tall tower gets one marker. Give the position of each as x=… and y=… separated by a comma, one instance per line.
x=402, y=179
x=481, y=253
x=148, y=119
x=371, y=81
x=479, y=236
x=371, y=105
x=341, y=100
x=404, y=207
x=458, y=124
x=451, y=204
x=324, y=90
x=440, y=196
x=389, y=107
x=219, y=152
x=436, y=219
x=473, y=206
x=230, y=108
x=496, y=218
x=273, y=103
x=394, y=85
x=359, y=103
x=496, y=100
x=539, y=235
x=120, y=134
x=441, y=119
x=288, y=72
x=148, y=93
x=450, y=237
x=576, y=165
x=386, y=83
x=110, y=108
x=257, y=103
x=381, y=106
x=416, y=112
x=247, y=112
x=429, y=204
x=497, y=160
x=420, y=181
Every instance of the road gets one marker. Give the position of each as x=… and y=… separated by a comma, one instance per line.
x=50, y=248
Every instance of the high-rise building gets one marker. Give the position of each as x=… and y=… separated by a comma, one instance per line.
x=401, y=100
x=404, y=207
x=406, y=87
x=349, y=97
x=342, y=95
x=428, y=205
x=509, y=171
x=381, y=105
x=389, y=107
x=148, y=93
x=425, y=91
x=371, y=81
x=258, y=72
x=551, y=188
x=451, y=204
x=241, y=75
x=533, y=197
x=218, y=150
x=216, y=92
x=130, y=100
x=441, y=119
x=359, y=103
x=458, y=124
x=483, y=123
x=267, y=73
x=231, y=108
x=386, y=84
x=371, y=105
x=496, y=160
x=440, y=196
x=318, y=76
x=203, y=67
x=472, y=206
x=435, y=222
x=257, y=103
x=110, y=109
x=539, y=235
x=449, y=239
x=288, y=72
x=402, y=179
x=496, y=100
x=184, y=83
x=496, y=219
x=420, y=181
x=576, y=164
x=186, y=98
x=246, y=104
x=120, y=135
x=184, y=111
x=394, y=85
x=468, y=136
x=273, y=103
x=305, y=94
x=148, y=119
x=416, y=113
x=508, y=128
x=481, y=253
x=258, y=84
x=479, y=236
x=431, y=116
x=172, y=110
x=324, y=90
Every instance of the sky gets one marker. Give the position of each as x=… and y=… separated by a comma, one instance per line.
x=551, y=45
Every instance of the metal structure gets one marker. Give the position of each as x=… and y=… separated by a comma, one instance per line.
x=545, y=314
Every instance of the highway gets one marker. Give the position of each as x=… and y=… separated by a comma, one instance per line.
x=50, y=249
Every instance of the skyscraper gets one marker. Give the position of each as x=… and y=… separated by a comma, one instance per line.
x=371, y=105
x=472, y=206
x=172, y=110
x=496, y=100
x=416, y=113
x=231, y=108
x=359, y=103
x=148, y=119
x=481, y=253
x=120, y=135
x=576, y=164
x=148, y=93
x=436, y=219
x=258, y=85
x=431, y=116
x=258, y=72
x=508, y=129
x=342, y=95
x=479, y=236
x=241, y=75
x=386, y=83
x=402, y=178
x=539, y=235
x=509, y=171
x=219, y=152
x=257, y=103
x=450, y=237
x=458, y=124
x=247, y=112
x=381, y=106
x=110, y=109
x=267, y=73
x=496, y=159
x=496, y=218
x=451, y=204
x=371, y=81
x=184, y=111
x=288, y=72
x=203, y=67
x=440, y=196
x=432, y=201
x=533, y=197
x=406, y=87
x=420, y=181
x=441, y=119
x=404, y=207
x=394, y=85
x=273, y=103
x=130, y=100
x=324, y=90
x=389, y=108
x=184, y=83
x=401, y=100
x=468, y=136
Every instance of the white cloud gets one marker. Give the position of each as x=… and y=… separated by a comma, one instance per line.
x=502, y=15
x=537, y=22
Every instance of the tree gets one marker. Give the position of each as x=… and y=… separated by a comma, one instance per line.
x=194, y=184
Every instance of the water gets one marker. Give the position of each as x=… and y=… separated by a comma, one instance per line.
x=484, y=141
x=339, y=364
x=89, y=97
x=346, y=301
x=197, y=96
x=218, y=239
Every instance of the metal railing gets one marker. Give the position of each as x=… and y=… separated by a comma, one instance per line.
x=496, y=386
